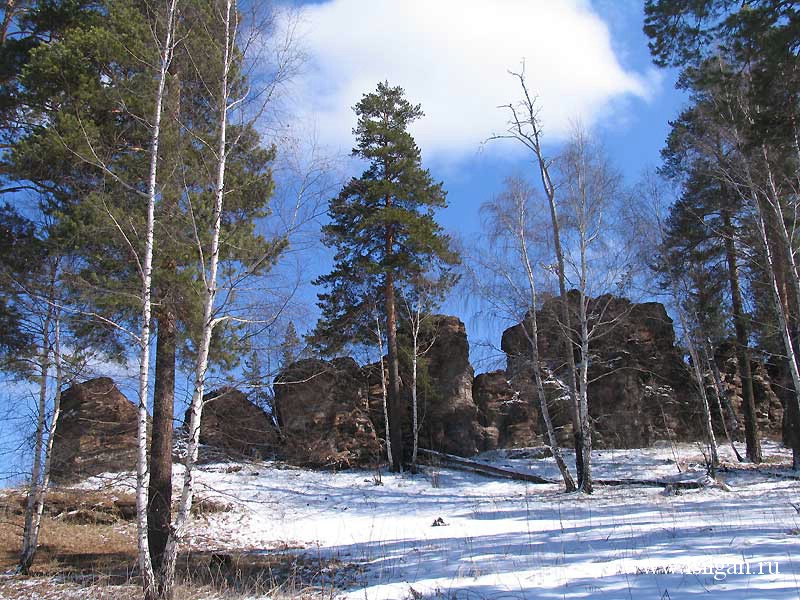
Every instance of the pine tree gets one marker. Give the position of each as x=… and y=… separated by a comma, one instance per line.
x=739, y=63
x=290, y=346
x=90, y=92
x=702, y=239
x=256, y=381
x=384, y=232
x=20, y=253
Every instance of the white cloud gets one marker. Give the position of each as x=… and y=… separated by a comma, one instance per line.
x=452, y=56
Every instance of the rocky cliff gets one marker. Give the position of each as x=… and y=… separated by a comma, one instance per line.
x=232, y=425
x=330, y=413
x=640, y=389
x=95, y=432
x=321, y=408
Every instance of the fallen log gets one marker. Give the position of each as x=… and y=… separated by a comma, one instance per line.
x=464, y=464
x=793, y=476
x=479, y=468
x=693, y=484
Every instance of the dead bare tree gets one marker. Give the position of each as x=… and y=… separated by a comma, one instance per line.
x=525, y=127
x=510, y=224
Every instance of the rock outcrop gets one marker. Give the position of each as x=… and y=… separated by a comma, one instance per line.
x=322, y=411
x=448, y=413
x=95, y=432
x=640, y=388
x=233, y=425
x=640, y=391
x=508, y=420
x=769, y=408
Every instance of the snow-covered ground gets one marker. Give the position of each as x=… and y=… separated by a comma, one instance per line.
x=508, y=539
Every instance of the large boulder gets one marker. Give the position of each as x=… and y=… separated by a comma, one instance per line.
x=233, y=425
x=448, y=414
x=322, y=412
x=640, y=390
x=508, y=420
x=95, y=432
x=769, y=407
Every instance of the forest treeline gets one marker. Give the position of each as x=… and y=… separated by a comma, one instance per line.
x=138, y=171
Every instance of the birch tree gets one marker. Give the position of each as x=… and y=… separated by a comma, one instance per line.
x=384, y=390
x=50, y=357
x=598, y=261
x=166, y=39
x=511, y=226
x=647, y=222
x=737, y=64
x=233, y=102
x=525, y=127
x=420, y=300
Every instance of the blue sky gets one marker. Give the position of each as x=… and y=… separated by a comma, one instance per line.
x=586, y=60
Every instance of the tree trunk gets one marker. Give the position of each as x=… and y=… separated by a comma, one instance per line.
x=794, y=366
x=753, y=444
x=8, y=16
x=384, y=393
x=527, y=131
x=786, y=263
x=395, y=402
x=582, y=214
x=31, y=537
x=145, y=564
x=584, y=483
x=726, y=416
x=159, y=510
x=569, y=356
x=209, y=299
x=31, y=527
x=533, y=341
x=701, y=387
x=414, y=415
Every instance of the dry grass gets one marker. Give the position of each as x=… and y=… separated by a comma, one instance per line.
x=69, y=545
x=88, y=550
x=54, y=589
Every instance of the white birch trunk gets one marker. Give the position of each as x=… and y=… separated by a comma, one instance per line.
x=582, y=214
x=779, y=308
x=583, y=387
x=30, y=529
x=533, y=341
x=210, y=280
x=40, y=475
x=726, y=414
x=145, y=564
x=785, y=235
x=48, y=452
x=698, y=375
x=384, y=392
x=526, y=130
x=783, y=319
x=414, y=415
